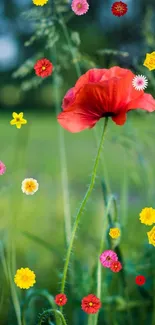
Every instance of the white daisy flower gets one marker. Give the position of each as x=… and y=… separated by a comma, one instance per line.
x=29, y=186
x=140, y=82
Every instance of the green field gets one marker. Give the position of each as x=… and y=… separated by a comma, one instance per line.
x=36, y=223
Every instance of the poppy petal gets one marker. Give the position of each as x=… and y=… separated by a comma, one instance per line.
x=68, y=99
x=76, y=120
x=91, y=76
x=145, y=102
x=120, y=119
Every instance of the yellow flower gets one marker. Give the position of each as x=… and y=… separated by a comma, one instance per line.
x=18, y=120
x=151, y=236
x=147, y=216
x=29, y=186
x=150, y=61
x=114, y=232
x=24, y=278
x=40, y=2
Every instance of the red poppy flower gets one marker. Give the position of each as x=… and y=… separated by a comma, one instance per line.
x=116, y=266
x=91, y=304
x=119, y=8
x=60, y=299
x=100, y=93
x=43, y=68
x=140, y=280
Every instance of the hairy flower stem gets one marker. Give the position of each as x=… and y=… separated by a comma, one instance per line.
x=111, y=202
x=82, y=206
x=36, y=294
x=57, y=312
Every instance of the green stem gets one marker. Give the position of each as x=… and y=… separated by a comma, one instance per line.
x=90, y=319
x=57, y=312
x=111, y=202
x=65, y=30
x=104, y=167
x=35, y=294
x=64, y=173
x=82, y=206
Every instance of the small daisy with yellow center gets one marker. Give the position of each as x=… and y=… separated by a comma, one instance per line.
x=147, y=216
x=114, y=233
x=151, y=236
x=18, y=120
x=29, y=186
x=24, y=278
x=39, y=2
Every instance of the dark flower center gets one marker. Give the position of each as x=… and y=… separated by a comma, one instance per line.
x=108, y=258
x=107, y=114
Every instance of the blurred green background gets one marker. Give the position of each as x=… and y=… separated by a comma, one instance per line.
x=32, y=229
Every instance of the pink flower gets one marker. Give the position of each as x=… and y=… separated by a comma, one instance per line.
x=80, y=7
x=107, y=257
x=2, y=168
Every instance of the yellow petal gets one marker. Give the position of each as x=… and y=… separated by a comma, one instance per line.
x=18, y=125
x=13, y=122
x=15, y=115
x=20, y=115
x=23, y=121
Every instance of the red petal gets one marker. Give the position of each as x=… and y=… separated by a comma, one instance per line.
x=76, y=120
x=120, y=119
x=145, y=101
x=91, y=76
x=68, y=99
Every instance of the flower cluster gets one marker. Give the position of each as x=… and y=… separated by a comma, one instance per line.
x=147, y=216
x=25, y=279
x=109, y=259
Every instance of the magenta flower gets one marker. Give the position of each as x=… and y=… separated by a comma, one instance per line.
x=80, y=7
x=2, y=168
x=107, y=257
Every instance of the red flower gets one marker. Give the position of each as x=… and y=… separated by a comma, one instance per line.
x=91, y=304
x=99, y=93
x=43, y=68
x=60, y=299
x=116, y=266
x=140, y=280
x=119, y=8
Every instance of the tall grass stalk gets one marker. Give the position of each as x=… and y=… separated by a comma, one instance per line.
x=99, y=267
x=66, y=34
x=64, y=173
x=124, y=193
x=82, y=206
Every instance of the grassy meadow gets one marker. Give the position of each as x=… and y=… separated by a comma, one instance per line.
x=33, y=227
